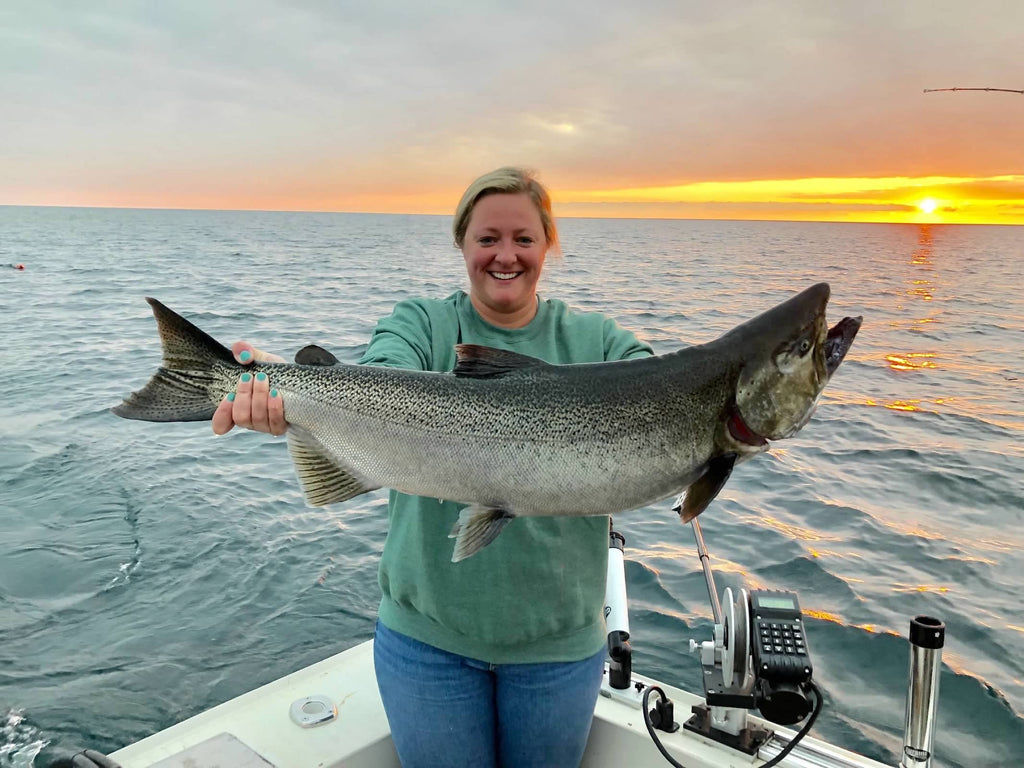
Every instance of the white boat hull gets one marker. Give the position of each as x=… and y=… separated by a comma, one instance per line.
x=256, y=730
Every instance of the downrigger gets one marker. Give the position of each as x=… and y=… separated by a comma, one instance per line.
x=758, y=659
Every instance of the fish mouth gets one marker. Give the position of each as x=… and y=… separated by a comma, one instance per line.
x=839, y=340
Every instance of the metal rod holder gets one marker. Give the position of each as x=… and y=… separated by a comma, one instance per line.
x=927, y=636
x=705, y=564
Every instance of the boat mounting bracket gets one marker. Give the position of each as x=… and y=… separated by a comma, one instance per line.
x=749, y=739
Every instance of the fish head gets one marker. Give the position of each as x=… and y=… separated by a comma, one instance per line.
x=789, y=355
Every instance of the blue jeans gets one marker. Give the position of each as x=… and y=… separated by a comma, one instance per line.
x=447, y=710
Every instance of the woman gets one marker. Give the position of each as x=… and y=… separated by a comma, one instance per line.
x=495, y=660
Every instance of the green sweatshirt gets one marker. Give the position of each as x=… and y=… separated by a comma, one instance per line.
x=536, y=594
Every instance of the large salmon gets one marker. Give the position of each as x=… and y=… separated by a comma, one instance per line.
x=510, y=435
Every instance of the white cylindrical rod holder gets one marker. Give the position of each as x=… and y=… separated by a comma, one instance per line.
x=617, y=618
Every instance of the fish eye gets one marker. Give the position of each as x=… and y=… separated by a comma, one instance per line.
x=805, y=347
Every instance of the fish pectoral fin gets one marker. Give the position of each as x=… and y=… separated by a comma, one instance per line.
x=324, y=479
x=479, y=362
x=312, y=354
x=477, y=526
x=701, y=493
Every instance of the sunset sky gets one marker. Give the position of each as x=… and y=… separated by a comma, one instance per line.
x=651, y=108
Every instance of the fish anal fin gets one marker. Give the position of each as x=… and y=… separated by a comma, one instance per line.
x=477, y=526
x=701, y=493
x=324, y=480
x=479, y=362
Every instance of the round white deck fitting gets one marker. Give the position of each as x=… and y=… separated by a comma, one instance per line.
x=313, y=710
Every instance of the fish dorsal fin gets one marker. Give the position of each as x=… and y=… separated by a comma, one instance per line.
x=324, y=479
x=479, y=362
x=314, y=355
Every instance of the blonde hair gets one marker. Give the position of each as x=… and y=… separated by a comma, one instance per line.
x=507, y=180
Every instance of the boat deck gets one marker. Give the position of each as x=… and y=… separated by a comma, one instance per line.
x=256, y=730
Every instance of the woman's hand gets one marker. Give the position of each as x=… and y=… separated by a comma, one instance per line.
x=253, y=404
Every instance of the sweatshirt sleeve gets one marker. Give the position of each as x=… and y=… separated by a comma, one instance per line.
x=620, y=344
x=402, y=339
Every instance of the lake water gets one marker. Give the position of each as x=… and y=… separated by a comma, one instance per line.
x=148, y=572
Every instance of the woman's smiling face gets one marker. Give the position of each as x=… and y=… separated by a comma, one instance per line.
x=504, y=249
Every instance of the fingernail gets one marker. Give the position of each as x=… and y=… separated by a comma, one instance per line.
x=273, y=393
x=231, y=397
x=261, y=376
x=245, y=356
x=246, y=377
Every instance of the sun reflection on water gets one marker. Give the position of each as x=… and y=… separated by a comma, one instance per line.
x=920, y=588
x=793, y=531
x=836, y=619
x=912, y=361
x=921, y=284
x=920, y=288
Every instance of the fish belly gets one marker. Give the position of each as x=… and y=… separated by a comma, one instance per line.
x=527, y=476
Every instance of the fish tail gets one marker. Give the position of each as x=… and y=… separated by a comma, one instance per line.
x=197, y=372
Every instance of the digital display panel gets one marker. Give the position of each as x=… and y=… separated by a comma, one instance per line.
x=765, y=601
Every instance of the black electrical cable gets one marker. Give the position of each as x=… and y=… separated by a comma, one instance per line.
x=819, y=700
x=650, y=725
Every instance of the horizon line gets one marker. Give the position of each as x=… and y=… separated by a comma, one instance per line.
x=558, y=217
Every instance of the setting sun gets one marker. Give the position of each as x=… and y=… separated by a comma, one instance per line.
x=889, y=199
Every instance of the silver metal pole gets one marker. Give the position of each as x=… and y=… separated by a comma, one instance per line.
x=705, y=563
x=927, y=636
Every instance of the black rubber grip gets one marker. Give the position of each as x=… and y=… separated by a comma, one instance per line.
x=927, y=632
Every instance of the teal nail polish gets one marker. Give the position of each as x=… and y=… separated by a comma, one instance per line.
x=245, y=356
x=246, y=377
x=261, y=376
x=231, y=397
x=273, y=393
